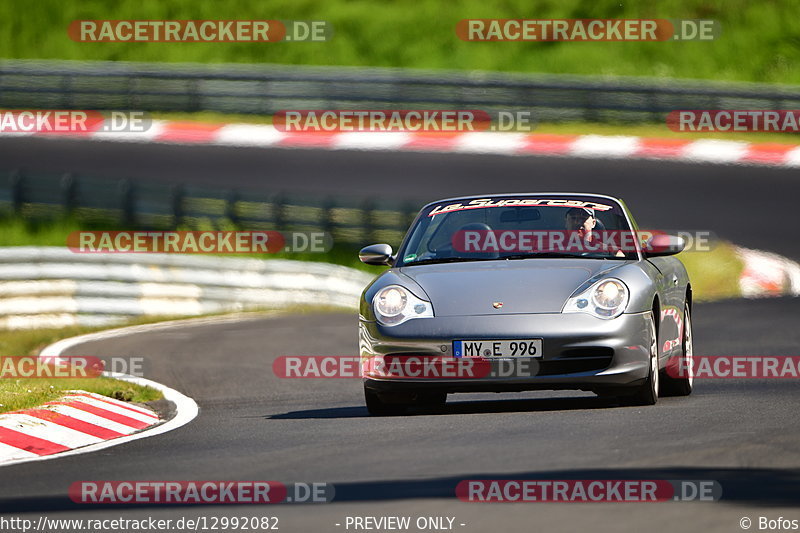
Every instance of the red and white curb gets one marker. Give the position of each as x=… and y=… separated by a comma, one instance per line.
x=589, y=146
x=766, y=274
x=63, y=440
x=75, y=420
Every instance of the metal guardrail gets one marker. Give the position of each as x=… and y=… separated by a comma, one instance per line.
x=265, y=89
x=54, y=287
x=156, y=206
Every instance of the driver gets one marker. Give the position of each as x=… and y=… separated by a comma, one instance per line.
x=583, y=220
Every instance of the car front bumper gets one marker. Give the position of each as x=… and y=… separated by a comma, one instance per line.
x=579, y=351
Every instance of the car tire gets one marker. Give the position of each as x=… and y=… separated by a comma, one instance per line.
x=647, y=392
x=682, y=386
x=377, y=406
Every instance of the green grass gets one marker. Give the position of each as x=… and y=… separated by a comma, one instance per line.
x=715, y=274
x=758, y=42
x=29, y=392
x=21, y=232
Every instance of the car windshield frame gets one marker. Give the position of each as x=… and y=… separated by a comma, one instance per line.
x=557, y=201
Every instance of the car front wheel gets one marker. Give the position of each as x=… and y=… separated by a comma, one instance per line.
x=683, y=384
x=647, y=392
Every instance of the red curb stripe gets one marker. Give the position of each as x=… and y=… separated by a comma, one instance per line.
x=432, y=141
x=29, y=443
x=118, y=404
x=308, y=139
x=110, y=415
x=768, y=153
x=536, y=143
x=661, y=147
x=769, y=287
x=194, y=132
x=544, y=143
x=72, y=423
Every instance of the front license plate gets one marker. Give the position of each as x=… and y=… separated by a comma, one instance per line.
x=498, y=348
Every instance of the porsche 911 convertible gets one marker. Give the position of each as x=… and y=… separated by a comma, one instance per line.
x=518, y=292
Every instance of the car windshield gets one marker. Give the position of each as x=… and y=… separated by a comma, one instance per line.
x=519, y=227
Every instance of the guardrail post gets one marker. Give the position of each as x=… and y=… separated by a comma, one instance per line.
x=194, y=95
x=66, y=91
x=177, y=205
x=327, y=221
x=129, y=81
x=655, y=114
x=69, y=191
x=127, y=203
x=230, y=206
x=17, y=184
x=368, y=228
x=589, y=108
x=410, y=210
x=279, y=211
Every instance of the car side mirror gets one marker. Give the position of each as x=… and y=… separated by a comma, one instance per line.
x=661, y=245
x=376, y=254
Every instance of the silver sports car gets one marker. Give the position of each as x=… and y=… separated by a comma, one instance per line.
x=515, y=292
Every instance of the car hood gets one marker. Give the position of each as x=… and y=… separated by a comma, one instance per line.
x=523, y=286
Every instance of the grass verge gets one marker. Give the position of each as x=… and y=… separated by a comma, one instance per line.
x=715, y=274
x=757, y=43
x=24, y=393
x=15, y=231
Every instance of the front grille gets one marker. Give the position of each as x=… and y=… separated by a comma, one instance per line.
x=578, y=360
x=591, y=351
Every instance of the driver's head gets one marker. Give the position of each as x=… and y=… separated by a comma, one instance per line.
x=580, y=218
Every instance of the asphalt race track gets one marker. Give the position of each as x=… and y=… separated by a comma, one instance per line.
x=254, y=426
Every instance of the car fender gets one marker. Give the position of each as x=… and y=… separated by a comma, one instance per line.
x=390, y=277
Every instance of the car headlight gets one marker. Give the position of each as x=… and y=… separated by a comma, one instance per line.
x=394, y=305
x=607, y=298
